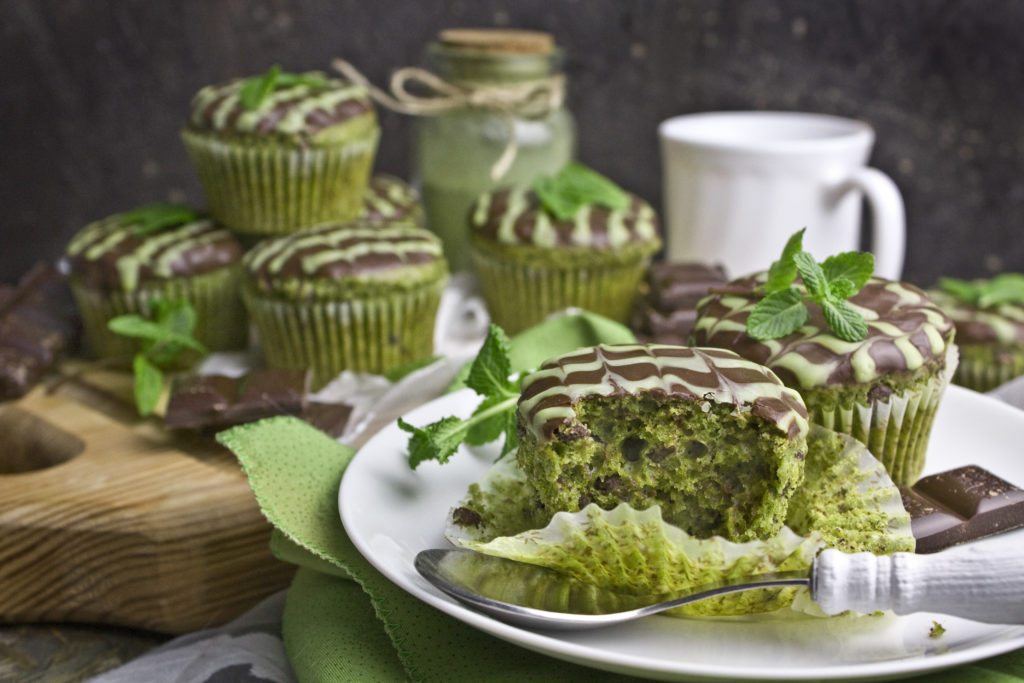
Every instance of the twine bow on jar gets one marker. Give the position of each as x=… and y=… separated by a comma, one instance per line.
x=531, y=99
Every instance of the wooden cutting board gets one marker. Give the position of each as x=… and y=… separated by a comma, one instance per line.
x=107, y=518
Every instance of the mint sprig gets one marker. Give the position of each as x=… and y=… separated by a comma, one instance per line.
x=496, y=415
x=783, y=310
x=162, y=340
x=1006, y=288
x=257, y=88
x=574, y=187
x=155, y=217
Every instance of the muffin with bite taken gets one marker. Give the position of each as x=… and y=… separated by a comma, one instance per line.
x=280, y=151
x=575, y=240
x=716, y=441
x=125, y=263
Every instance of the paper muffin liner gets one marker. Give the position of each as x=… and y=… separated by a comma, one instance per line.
x=896, y=430
x=371, y=334
x=220, y=315
x=982, y=372
x=846, y=501
x=520, y=295
x=269, y=189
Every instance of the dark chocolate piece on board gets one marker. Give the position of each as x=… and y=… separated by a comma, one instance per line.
x=38, y=323
x=961, y=505
x=331, y=418
x=667, y=308
x=216, y=401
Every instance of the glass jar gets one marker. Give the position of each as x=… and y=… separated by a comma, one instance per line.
x=455, y=152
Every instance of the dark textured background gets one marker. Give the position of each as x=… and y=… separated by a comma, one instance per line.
x=93, y=94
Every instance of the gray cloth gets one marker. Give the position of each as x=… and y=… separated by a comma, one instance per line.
x=246, y=650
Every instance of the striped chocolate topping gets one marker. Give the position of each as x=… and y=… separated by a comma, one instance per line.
x=387, y=198
x=515, y=216
x=708, y=375
x=332, y=251
x=1001, y=324
x=293, y=110
x=906, y=330
x=108, y=255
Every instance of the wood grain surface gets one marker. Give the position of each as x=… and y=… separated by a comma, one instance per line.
x=109, y=519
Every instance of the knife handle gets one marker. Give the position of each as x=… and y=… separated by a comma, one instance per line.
x=979, y=581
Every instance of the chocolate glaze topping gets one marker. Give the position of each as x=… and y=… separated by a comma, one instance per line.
x=1002, y=324
x=296, y=110
x=333, y=251
x=707, y=375
x=109, y=255
x=906, y=331
x=515, y=216
x=387, y=198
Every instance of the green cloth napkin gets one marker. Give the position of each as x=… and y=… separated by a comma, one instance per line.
x=344, y=621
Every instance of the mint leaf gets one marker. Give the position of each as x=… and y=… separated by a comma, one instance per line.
x=152, y=218
x=256, y=88
x=574, y=187
x=492, y=425
x=287, y=80
x=489, y=373
x=437, y=441
x=783, y=272
x=495, y=416
x=1007, y=288
x=855, y=266
x=149, y=384
x=778, y=314
x=132, y=325
x=967, y=292
x=844, y=321
x=812, y=275
x=841, y=289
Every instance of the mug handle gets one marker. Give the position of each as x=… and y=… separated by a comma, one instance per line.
x=888, y=219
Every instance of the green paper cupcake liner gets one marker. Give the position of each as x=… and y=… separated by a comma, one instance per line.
x=896, y=430
x=520, y=295
x=220, y=315
x=271, y=189
x=374, y=334
x=981, y=370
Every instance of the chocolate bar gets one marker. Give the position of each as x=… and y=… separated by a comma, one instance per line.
x=38, y=323
x=666, y=310
x=961, y=505
x=218, y=402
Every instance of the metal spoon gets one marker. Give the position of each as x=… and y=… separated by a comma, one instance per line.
x=967, y=581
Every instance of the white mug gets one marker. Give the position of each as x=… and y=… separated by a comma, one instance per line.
x=738, y=184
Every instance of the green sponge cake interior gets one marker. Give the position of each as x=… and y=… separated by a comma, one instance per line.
x=717, y=441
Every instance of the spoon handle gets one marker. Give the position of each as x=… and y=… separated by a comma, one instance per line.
x=978, y=581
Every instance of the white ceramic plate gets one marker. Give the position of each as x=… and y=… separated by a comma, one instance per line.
x=391, y=512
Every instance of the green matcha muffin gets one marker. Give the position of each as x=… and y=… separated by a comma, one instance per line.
x=388, y=198
x=280, y=152
x=883, y=390
x=123, y=263
x=990, y=334
x=358, y=296
x=716, y=441
x=532, y=263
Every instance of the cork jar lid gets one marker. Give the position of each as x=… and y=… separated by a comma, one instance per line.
x=498, y=41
